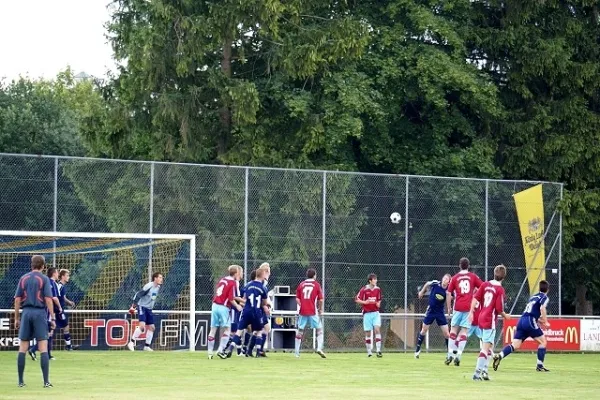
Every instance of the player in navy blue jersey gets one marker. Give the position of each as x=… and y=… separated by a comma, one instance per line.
x=236, y=315
x=266, y=317
x=435, y=309
x=534, y=316
x=248, y=331
x=255, y=307
x=62, y=320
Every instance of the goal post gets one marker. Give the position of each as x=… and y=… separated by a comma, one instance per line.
x=106, y=270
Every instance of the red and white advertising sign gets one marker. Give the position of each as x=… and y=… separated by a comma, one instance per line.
x=563, y=334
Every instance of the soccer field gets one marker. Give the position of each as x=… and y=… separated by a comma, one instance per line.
x=182, y=375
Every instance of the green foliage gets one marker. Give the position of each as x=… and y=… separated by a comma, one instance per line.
x=41, y=117
x=544, y=58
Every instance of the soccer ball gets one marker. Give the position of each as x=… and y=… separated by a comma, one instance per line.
x=395, y=218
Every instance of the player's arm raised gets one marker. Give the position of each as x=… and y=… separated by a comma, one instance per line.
x=424, y=289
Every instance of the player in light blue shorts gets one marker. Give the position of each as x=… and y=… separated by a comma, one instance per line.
x=371, y=320
x=474, y=330
x=313, y=322
x=488, y=335
x=461, y=319
x=220, y=316
x=369, y=297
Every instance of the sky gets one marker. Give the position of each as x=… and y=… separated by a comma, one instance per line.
x=39, y=38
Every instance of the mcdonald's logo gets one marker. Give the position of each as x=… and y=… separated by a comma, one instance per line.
x=571, y=335
x=509, y=335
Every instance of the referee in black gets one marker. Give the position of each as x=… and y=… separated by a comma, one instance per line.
x=34, y=295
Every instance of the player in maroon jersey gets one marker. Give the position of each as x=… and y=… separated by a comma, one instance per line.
x=462, y=286
x=307, y=294
x=224, y=299
x=490, y=297
x=369, y=298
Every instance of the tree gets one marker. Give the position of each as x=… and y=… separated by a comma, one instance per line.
x=544, y=58
x=190, y=82
x=39, y=117
x=43, y=117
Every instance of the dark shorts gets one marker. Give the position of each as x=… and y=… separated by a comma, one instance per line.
x=254, y=321
x=437, y=317
x=235, y=320
x=146, y=315
x=62, y=321
x=265, y=319
x=527, y=327
x=34, y=324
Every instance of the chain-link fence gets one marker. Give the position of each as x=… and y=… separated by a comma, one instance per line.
x=336, y=222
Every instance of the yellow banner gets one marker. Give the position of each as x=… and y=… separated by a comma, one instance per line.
x=530, y=212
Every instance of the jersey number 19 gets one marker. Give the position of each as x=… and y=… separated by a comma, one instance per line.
x=465, y=287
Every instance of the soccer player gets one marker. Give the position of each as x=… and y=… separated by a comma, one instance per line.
x=220, y=316
x=34, y=295
x=241, y=351
x=62, y=321
x=435, y=309
x=535, y=314
x=266, y=317
x=490, y=296
x=369, y=297
x=252, y=315
x=236, y=315
x=248, y=335
x=144, y=301
x=307, y=294
x=52, y=274
x=462, y=286
x=474, y=329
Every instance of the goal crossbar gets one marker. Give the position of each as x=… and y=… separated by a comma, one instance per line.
x=98, y=235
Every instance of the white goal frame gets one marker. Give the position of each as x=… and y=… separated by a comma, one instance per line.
x=143, y=236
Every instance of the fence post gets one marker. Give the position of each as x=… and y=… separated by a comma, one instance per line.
x=246, y=190
x=406, y=264
x=324, y=231
x=151, y=220
x=560, y=234
x=487, y=225
x=55, y=214
x=323, y=244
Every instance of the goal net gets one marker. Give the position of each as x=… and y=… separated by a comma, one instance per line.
x=106, y=270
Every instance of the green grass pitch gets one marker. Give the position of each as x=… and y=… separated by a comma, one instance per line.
x=183, y=375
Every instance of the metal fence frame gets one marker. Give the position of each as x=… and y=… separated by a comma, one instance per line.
x=408, y=179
